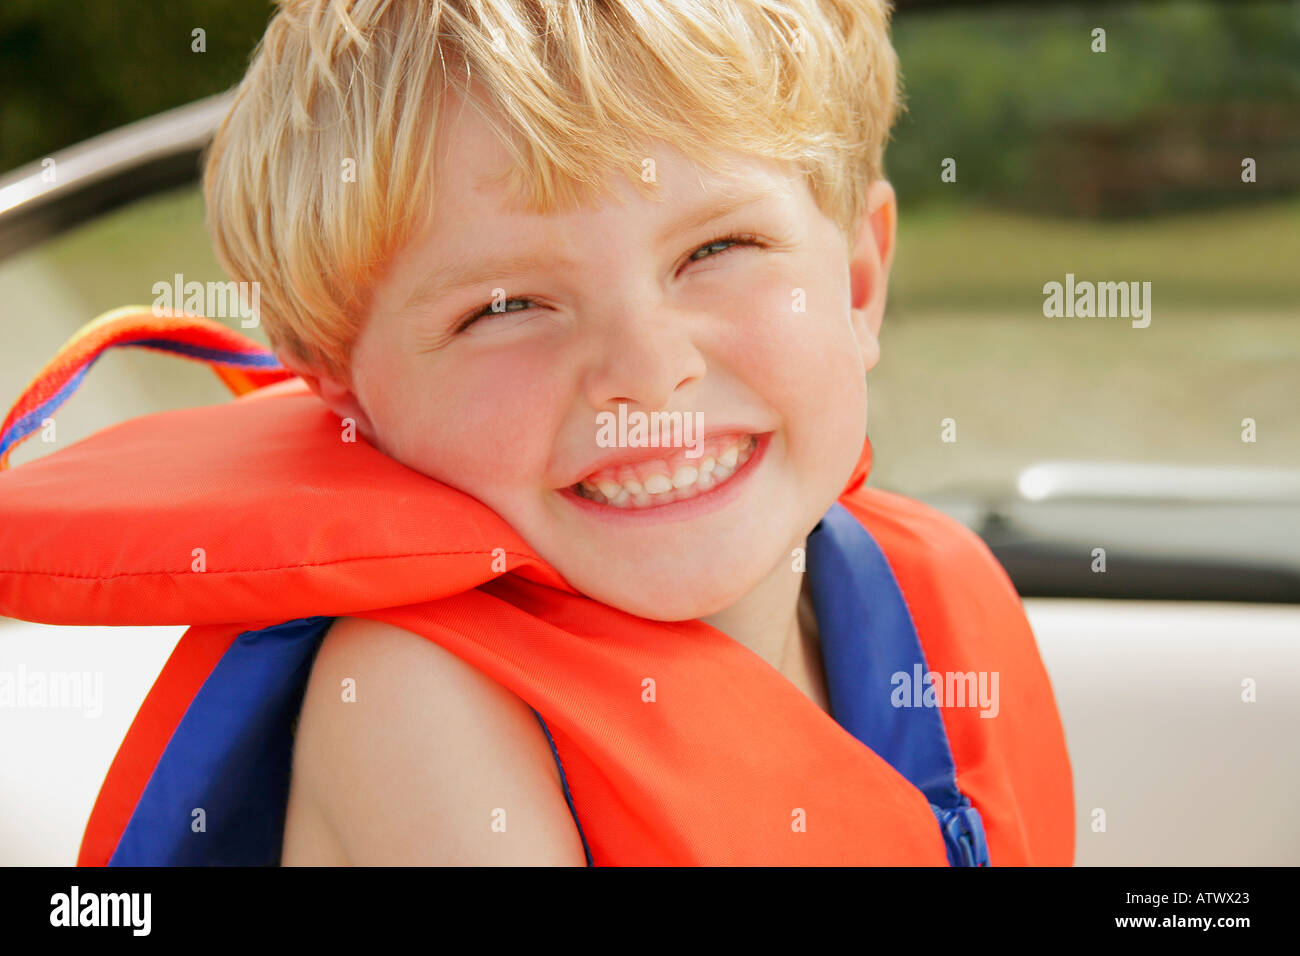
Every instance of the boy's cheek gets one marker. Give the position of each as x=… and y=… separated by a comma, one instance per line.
x=474, y=436
x=789, y=357
x=787, y=317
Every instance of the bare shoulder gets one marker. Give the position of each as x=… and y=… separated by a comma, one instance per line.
x=433, y=763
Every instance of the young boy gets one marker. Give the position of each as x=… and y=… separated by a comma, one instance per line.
x=482, y=232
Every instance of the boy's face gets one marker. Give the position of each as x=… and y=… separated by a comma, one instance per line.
x=771, y=341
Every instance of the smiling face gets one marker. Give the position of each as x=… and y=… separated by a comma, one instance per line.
x=625, y=305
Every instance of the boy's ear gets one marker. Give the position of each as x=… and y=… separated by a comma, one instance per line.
x=869, y=264
x=338, y=396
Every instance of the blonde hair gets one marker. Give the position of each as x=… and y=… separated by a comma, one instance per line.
x=576, y=85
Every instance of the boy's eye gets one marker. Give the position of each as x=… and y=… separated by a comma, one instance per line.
x=711, y=249
x=725, y=241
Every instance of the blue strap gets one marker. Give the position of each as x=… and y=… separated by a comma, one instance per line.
x=230, y=757
x=867, y=637
x=963, y=834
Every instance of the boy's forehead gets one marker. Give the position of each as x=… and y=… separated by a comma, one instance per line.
x=473, y=167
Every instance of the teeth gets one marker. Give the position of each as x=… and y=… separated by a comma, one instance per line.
x=658, y=484
x=686, y=475
x=658, y=489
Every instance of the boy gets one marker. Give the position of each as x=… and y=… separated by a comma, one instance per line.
x=479, y=227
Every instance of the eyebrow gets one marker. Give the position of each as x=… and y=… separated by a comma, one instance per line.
x=459, y=275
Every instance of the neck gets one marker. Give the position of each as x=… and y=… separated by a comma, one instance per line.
x=773, y=620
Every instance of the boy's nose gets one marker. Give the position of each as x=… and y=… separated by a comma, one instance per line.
x=641, y=355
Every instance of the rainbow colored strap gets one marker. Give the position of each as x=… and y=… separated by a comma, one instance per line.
x=241, y=363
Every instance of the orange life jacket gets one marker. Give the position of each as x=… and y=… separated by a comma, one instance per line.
x=255, y=525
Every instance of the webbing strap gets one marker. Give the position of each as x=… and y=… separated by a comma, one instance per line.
x=242, y=364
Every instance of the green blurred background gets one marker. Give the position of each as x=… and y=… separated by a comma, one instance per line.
x=1116, y=166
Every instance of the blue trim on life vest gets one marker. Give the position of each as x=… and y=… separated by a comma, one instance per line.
x=568, y=797
x=231, y=756
x=867, y=637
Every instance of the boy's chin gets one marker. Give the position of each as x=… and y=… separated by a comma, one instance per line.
x=671, y=601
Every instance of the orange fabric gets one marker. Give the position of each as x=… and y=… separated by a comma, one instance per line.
x=294, y=522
